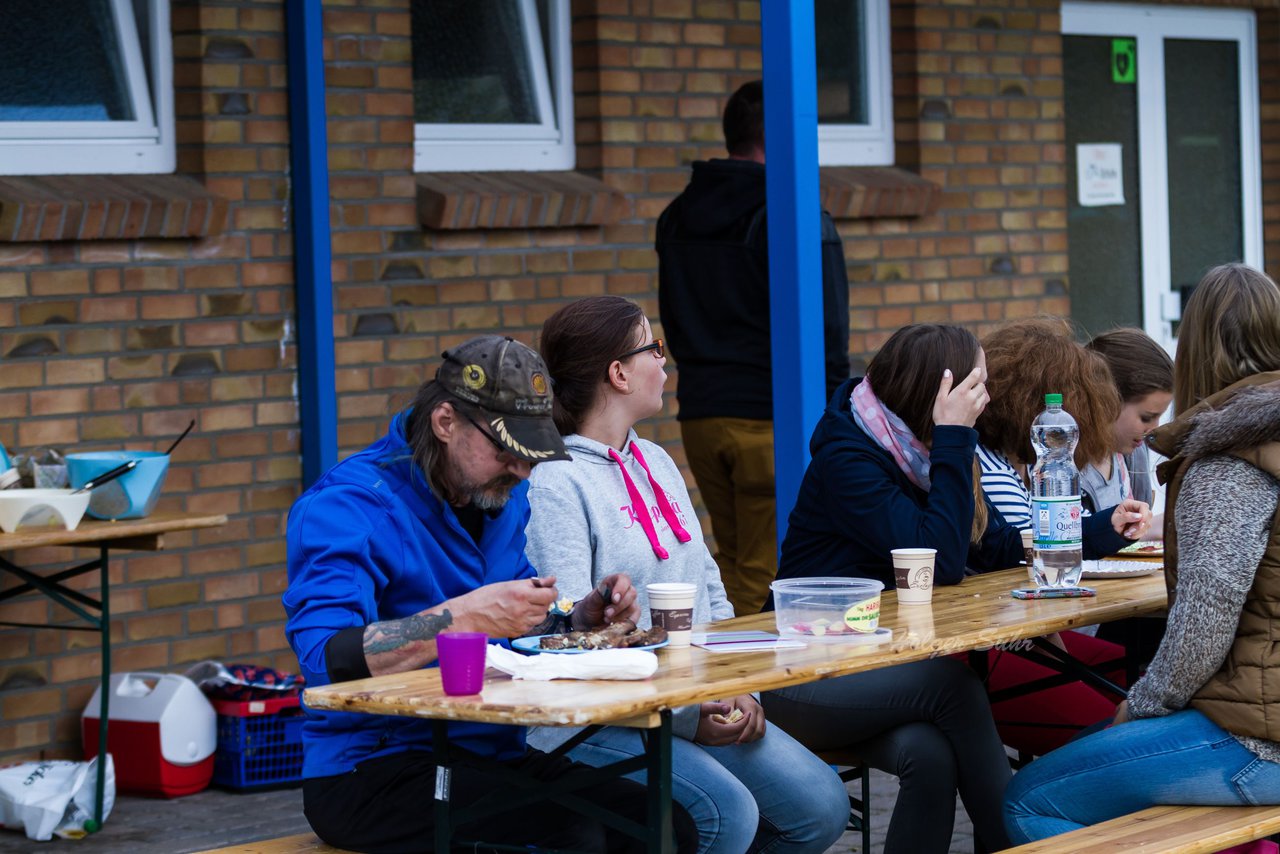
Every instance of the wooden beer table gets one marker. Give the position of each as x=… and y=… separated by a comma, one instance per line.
x=976, y=614
x=145, y=534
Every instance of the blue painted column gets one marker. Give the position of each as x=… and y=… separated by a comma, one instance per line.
x=795, y=239
x=313, y=283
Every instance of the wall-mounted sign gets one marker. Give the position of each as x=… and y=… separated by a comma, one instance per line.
x=1124, y=61
x=1099, y=175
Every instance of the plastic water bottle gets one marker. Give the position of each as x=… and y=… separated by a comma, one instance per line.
x=1055, y=497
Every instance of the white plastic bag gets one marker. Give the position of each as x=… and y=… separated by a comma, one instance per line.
x=53, y=797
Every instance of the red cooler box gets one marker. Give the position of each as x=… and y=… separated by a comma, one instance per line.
x=162, y=735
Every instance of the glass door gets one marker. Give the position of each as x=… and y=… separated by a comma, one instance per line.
x=1163, y=157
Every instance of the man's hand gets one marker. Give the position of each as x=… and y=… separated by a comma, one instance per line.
x=508, y=609
x=613, y=600
x=738, y=720
x=1131, y=518
x=960, y=406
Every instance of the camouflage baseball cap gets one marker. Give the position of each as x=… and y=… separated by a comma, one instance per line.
x=509, y=385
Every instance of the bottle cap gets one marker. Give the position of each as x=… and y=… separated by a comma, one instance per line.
x=1053, y=400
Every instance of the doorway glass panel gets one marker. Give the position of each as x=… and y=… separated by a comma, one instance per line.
x=1104, y=241
x=1202, y=105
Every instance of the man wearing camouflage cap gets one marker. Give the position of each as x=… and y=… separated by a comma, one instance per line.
x=424, y=532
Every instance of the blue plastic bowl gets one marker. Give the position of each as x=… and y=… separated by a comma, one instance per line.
x=130, y=496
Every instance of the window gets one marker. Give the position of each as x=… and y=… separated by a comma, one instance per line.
x=492, y=85
x=86, y=86
x=855, y=107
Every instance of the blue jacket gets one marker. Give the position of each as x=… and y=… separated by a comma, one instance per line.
x=369, y=542
x=855, y=504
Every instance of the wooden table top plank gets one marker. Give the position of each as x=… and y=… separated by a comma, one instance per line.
x=1185, y=829
x=976, y=614
x=137, y=533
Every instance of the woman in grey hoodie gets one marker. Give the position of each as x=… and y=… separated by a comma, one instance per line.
x=621, y=506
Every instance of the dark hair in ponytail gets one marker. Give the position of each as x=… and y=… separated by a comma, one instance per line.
x=578, y=343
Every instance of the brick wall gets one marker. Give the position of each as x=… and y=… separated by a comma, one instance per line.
x=150, y=333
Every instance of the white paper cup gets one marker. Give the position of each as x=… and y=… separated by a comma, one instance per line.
x=671, y=606
x=1029, y=553
x=913, y=572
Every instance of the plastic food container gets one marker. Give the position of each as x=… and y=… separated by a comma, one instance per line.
x=38, y=508
x=130, y=496
x=827, y=610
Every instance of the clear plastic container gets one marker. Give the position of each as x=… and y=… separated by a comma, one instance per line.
x=827, y=610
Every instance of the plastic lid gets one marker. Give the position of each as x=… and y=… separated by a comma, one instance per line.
x=1053, y=400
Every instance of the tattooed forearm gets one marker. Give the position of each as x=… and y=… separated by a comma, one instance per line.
x=393, y=635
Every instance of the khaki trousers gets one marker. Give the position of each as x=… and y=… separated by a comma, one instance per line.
x=732, y=462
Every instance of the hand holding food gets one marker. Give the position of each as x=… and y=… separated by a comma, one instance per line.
x=614, y=600
x=717, y=725
x=508, y=609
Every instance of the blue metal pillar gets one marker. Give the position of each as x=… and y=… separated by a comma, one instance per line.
x=795, y=239
x=313, y=285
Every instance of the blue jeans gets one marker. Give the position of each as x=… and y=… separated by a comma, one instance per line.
x=773, y=786
x=1183, y=758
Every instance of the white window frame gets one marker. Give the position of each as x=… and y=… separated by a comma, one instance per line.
x=547, y=146
x=1150, y=26
x=869, y=144
x=144, y=145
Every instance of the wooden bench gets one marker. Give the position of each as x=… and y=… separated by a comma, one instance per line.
x=1188, y=830
x=303, y=842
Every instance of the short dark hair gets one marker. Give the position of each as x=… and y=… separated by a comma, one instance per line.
x=1139, y=365
x=578, y=343
x=744, y=119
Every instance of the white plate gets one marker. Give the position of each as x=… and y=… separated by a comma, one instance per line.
x=1119, y=568
x=529, y=646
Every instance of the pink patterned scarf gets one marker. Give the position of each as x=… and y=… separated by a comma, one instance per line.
x=890, y=433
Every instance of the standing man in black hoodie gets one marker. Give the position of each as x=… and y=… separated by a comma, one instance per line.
x=713, y=298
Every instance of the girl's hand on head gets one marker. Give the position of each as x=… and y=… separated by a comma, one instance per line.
x=960, y=406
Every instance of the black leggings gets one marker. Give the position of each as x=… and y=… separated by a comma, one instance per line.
x=928, y=723
x=384, y=806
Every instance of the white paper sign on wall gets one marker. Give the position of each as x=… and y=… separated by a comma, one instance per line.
x=1099, y=175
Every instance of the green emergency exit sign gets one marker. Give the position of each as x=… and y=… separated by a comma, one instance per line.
x=1124, y=61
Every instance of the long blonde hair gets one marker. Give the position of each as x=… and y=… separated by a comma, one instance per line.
x=1230, y=330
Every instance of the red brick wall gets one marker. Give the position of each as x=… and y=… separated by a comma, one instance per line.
x=161, y=331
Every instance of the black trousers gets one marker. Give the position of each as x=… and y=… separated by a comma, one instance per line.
x=385, y=806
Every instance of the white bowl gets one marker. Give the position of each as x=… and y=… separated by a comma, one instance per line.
x=33, y=508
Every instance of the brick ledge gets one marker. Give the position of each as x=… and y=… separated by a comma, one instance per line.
x=867, y=192
x=107, y=207
x=469, y=200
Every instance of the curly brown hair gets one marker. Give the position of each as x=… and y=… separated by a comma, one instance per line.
x=1027, y=359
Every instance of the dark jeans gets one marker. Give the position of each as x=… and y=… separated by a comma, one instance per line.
x=385, y=806
x=929, y=724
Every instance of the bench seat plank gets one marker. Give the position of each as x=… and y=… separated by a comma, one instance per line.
x=1187, y=830
x=302, y=843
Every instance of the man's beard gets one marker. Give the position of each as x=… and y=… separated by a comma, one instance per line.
x=490, y=496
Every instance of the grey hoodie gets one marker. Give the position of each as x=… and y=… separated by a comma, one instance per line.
x=585, y=525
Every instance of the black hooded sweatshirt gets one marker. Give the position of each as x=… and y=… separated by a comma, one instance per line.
x=713, y=293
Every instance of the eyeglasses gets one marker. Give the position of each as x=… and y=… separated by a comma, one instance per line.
x=658, y=348
x=493, y=440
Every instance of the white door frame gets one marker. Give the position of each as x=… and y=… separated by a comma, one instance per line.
x=1150, y=26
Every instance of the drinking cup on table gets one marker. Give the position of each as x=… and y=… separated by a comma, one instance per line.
x=1029, y=550
x=913, y=572
x=461, y=661
x=671, y=606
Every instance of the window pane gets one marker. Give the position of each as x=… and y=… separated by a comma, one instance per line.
x=470, y=63
x=842, y=62
x=1202, y=105
x=62, y=62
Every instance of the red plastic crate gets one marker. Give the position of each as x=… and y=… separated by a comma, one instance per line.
x=259, y=743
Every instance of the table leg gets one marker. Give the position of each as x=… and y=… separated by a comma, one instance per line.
x=104, y=705
x=440, y=747
x=658, y=749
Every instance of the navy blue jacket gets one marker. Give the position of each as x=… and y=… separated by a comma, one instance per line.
x=855, y=504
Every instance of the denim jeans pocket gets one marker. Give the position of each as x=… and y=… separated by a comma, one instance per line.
x=1258, y=783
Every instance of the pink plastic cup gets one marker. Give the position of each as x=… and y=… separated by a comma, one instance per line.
x=461, y=662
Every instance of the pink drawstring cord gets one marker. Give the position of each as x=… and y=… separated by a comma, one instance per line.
x=664, y=506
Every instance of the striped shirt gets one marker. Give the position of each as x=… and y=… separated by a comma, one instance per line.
x=1004, y=488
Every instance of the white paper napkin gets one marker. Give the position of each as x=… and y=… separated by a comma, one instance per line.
x=596, y=664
